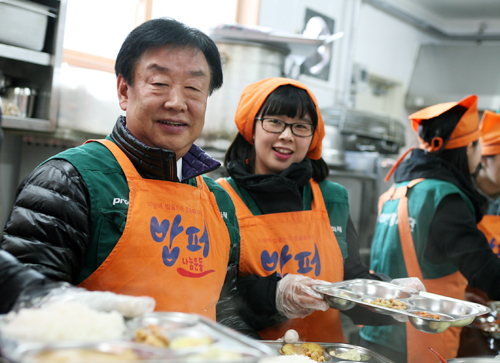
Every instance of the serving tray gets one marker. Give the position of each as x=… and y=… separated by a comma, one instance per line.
x=345, y=295
x=332, y=349
x=222, y=343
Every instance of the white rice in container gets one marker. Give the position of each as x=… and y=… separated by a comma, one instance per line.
x=68, y=321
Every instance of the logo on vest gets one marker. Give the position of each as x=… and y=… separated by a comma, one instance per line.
x=391, y=219
x=304, y=263
x=190, y=239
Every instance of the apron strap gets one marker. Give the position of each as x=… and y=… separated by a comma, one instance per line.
x=407, y=245
x=127, y=166
x=242, y=211
x=318, y=202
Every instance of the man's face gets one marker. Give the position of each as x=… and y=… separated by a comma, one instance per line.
x=165, y=107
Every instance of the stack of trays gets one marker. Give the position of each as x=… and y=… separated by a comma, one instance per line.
x=430, y=313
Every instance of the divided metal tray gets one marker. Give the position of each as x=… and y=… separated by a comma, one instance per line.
x=224, y=343
x=452, y=312
x=332, y=349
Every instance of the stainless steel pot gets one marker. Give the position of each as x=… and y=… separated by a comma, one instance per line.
x=243, y=63
x=23, y=98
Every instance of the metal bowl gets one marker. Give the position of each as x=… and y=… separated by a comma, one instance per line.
x=337, y=302
x=384, y=291
x=430, y=325
x=492, y=329
x=445, y=306
x=340, y=350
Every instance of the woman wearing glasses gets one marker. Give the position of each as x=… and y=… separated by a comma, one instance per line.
x=292, y=220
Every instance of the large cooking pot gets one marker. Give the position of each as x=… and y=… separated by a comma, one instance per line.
x=243, y=62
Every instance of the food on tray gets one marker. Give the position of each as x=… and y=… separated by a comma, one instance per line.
x=214, y=353
x=312, y=350
x=68, y=321
x=427, y=315
x=391, y=303
x=291, y=336
x=351, y=354
x=189, y=341
x=152, y=335
x=287, y=359
x=81, y=355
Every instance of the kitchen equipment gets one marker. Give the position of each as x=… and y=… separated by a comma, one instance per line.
x=421, y=308
x=23, y=23
x=332, y=349
x=243, y=62
x=23, y=98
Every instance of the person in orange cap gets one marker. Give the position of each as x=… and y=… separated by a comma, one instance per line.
x=488, y=177
x=294, y=223
x=427, y=226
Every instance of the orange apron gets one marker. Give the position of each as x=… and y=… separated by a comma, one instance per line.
x=175, y=245
x=446, y=343
x=296, y=243
x=490, y=226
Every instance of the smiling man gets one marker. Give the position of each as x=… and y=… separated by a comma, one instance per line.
x=132, y=213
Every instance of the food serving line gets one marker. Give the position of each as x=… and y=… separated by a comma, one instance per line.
x=180, y=337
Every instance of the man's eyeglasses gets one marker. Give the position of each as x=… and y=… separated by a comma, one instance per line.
x=277, y=126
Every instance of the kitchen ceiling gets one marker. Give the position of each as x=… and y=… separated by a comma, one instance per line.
x=449, y=16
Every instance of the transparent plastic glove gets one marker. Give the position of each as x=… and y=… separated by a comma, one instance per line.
x=296, y=299
x=60, y=293
x=410, y=285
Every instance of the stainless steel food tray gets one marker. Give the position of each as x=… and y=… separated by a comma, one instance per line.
x=190, y=325
x=28, y=352
x=174, y=325
x=453, y=312
x=331, y=349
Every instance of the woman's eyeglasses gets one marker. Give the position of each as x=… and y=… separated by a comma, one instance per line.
x=277, y=126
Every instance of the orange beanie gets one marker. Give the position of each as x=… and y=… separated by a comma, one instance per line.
x=467, y=129
x=490, y=133
x=254, y=96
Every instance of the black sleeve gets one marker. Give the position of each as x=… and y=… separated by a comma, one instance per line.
x=14, y=277
x=454, y=237
x=259, y=297
x=232, y=309
x=49, y=225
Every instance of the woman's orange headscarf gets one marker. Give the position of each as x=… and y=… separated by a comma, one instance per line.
x=253, y=98
x=490, y=133
x=466, y=131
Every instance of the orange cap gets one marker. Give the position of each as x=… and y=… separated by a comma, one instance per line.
x=490, y=133
x=467, y=129
x=253, y=98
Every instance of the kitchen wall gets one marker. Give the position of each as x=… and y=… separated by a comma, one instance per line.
x=382, y=45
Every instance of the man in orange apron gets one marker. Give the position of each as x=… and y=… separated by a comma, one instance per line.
x=133, y=214
x=488, y=178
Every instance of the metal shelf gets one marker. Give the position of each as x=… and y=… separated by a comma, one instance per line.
x=25, y=123
x=26, y=55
